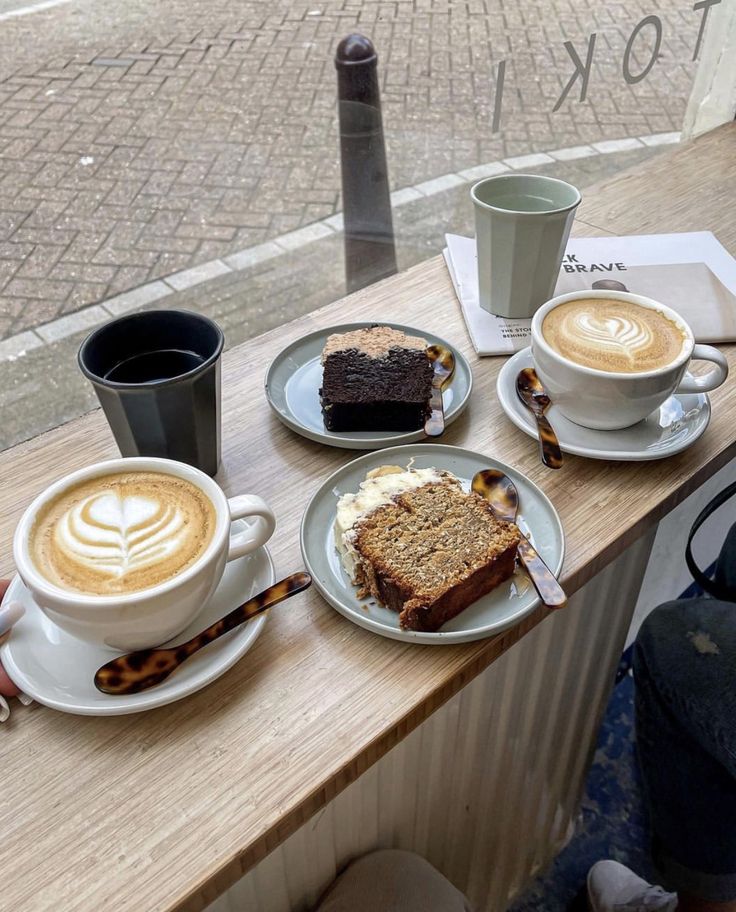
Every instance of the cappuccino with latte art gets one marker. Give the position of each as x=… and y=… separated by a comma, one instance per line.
x=126, y=553
x=122, y=532
x=611, y=359
x=613, y=335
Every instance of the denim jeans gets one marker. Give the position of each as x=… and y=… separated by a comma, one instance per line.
x=685, y=671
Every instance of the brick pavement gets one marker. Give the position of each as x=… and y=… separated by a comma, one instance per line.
x=45, y=388
x=148, y=138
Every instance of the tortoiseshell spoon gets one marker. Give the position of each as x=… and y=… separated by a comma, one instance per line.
x=137, y=671
x=534, y=396
x=443, y=365
x=609, y=285
x=499, y=490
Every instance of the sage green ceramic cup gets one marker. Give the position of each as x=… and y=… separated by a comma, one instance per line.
x=522, y=223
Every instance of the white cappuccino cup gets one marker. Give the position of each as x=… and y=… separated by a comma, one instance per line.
x=609, y=400
x=145, y=617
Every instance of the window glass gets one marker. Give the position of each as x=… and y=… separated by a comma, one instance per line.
x=182, y=153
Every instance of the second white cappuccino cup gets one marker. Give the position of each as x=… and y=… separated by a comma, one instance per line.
x=146, y=617
x=608, y=400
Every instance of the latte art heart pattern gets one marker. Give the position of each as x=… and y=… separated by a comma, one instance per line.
x=621, y=334
x=611, y=334
x=122, y=533
x=114, y=534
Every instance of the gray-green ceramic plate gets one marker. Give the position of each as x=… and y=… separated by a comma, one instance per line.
x=503, y=607
x=295, y=377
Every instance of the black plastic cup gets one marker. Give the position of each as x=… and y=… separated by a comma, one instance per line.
x=157, y=376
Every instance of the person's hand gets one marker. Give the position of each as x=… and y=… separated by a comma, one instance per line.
x=7, y=688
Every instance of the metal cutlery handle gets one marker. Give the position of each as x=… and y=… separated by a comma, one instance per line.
x=435, y=424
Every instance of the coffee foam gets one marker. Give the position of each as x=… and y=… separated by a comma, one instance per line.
x=121, y=532
x=613, y=335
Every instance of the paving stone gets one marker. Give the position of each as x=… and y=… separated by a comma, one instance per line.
x=522, y=162
x=18, y=345
x=253, y=255
x=491, y=169
x=439, y=184
x=302, y=236
x=180, y=281
x=572, y=153
x=73, y=323
x=138, y=297
x=617, y=145
x=43, y=289
x=660, y=139
x=403, y=196
x=337, y=222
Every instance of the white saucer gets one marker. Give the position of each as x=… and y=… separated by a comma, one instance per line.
x=57, y=669
x=675, y=426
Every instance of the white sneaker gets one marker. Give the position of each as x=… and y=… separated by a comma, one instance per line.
x=614, y=888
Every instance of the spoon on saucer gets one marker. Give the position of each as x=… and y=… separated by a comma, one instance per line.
x=499, y=490
x=137, y=671
x=534, y=396
x=443, y=366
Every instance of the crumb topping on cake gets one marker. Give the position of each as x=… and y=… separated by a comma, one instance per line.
x=374, y=341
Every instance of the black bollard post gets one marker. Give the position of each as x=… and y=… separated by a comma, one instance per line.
x=370, y=253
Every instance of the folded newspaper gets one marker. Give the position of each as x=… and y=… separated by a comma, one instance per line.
x=692, y=273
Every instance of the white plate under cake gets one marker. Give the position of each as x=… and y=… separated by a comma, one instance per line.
x=421, y=545
x=506, y=602
x=295, y=378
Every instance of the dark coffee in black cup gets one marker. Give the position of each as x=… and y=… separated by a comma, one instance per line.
x=157, y=377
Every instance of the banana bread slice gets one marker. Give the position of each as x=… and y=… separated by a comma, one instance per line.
x=432, y=551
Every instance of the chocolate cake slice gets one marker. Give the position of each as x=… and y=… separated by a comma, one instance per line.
x=421, y=545
x=375, y=379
